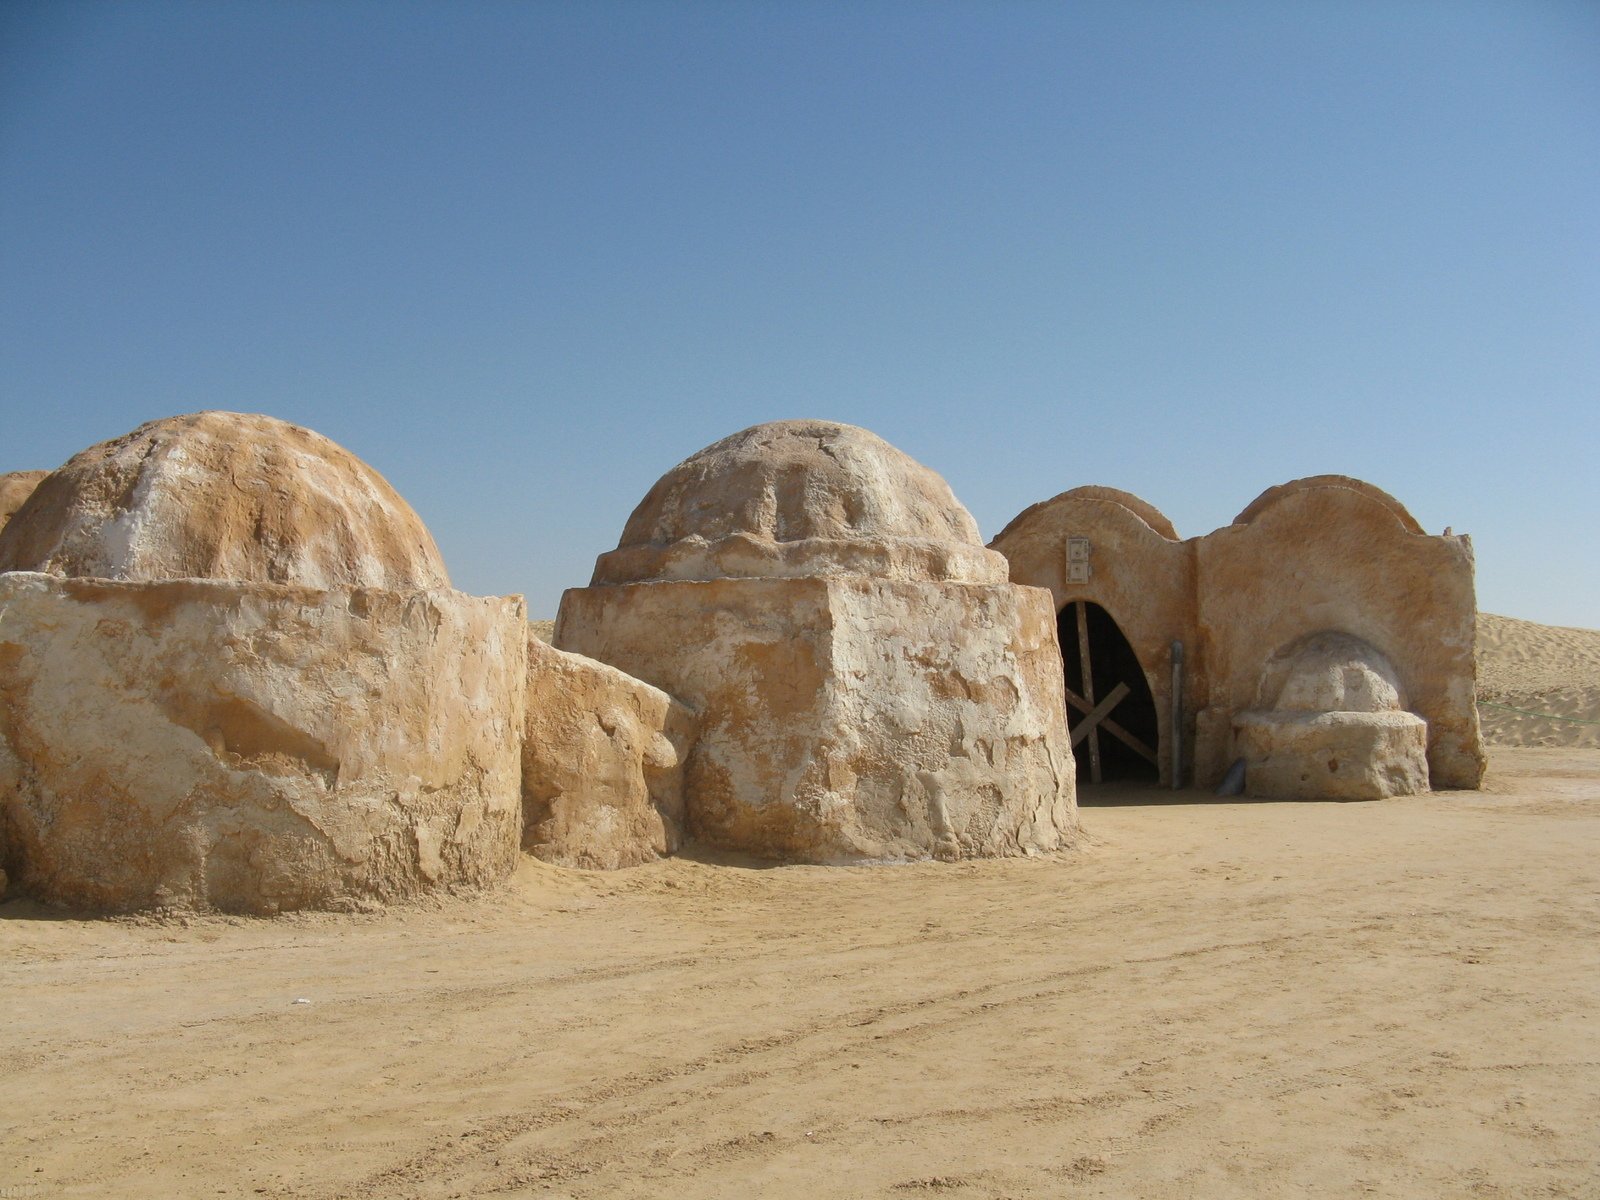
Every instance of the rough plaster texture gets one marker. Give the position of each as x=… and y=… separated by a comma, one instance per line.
x=217, y=495
x=602, y=763
x=1332, y=755
x=16, y=487
x=255, y=747
x=800, y=498
x=1330, y=671
x=1283, y=490
x=1326, y=553
x=848, y=718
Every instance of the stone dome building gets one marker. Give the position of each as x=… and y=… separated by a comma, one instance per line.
x=236, y=677
x=868, y=684
x=1323, y=594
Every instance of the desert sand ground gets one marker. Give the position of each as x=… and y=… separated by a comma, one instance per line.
x=1211, y=999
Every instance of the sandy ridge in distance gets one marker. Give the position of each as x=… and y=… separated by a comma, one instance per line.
x=1549, y=669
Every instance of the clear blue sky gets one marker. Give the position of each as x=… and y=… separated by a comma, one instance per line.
x=524, y=257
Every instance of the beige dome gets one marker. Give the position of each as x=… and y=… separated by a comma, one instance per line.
x=15, y=488
x=800, y=498
x=1332, y=672
x=218, y=495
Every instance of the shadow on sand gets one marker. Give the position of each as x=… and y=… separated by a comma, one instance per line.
x=1143, y=794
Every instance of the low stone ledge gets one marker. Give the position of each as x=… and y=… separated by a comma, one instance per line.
x=1292, y=755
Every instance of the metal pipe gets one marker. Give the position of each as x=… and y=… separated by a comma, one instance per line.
x=1177, y=715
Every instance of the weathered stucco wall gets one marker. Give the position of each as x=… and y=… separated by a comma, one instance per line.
x=602, y=763
x=1138, y=572
x=255, y=747
x=848, y=718
x=1332, y=755
x=1327, y=557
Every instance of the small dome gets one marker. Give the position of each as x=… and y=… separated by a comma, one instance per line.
x=1046, y=512
x=795, y=498
x=218, y=495
x=1332, y=672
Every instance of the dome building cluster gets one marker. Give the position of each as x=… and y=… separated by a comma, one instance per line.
x=1204, y=630
x=234, y=674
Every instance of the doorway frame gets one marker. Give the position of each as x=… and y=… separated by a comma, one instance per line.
x=1094, y=712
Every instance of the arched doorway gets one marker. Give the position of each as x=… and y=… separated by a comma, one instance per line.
x=1111, y=713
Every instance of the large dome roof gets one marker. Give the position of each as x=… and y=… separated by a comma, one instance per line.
x=794, y=498
x=218, y=495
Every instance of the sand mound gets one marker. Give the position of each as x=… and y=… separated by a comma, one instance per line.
x=1538, y=685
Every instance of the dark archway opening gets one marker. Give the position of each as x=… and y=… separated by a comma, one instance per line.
x=1112, y=663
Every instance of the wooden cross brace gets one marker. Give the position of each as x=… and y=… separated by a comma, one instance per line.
x=1099, y=716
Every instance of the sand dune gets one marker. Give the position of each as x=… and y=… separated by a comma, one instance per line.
x=1538, y=685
